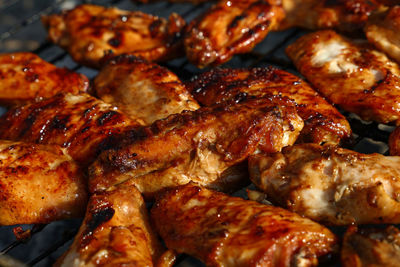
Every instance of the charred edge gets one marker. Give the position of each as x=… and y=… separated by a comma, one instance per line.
x=105, y=117
x=99, y=217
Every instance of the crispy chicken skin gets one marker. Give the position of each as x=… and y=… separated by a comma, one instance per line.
x=25, y=77
x=332, y=185
x=383, y=32
x=354, y=76
x=394, y=142
x=115, y=232
x=82, y=124
x=371, y=247
x=93, y=33
x=322, y=122
x=142, y=90
x=229, y=28
x=39, y=184
x=202, y=146
x=222, y=230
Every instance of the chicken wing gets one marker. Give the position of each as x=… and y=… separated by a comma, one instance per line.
x=80, y=123
x=203, y=146
x=352, y=75
x=322, y=122
x=228, y=231
x=115, y=232
x=371, y=247
x=91, y=34
x=25, y=77
x=331, y=185
x=229, y=28
x=39, y=184
x=142, y=90
x=383, y=32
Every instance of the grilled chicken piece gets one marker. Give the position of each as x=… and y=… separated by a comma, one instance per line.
x=142, y=90
x=203, y=146
x=222, y=230
x=91, y=34
x=371, y=247
x=115, y=232
x=229, y=28
x=25, y=77
x=394, y=142
x=39, y=184
x=322, y=122
x=331, y=185
x=82, y=124
x=383, y=32
x=354, y=76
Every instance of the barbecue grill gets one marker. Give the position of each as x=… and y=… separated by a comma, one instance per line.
x=21, y=30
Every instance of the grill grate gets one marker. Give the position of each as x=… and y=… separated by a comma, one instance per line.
x=47, y=243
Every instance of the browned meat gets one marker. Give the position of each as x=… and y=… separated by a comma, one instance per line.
x=354, y=76
x=25, y=77
x=394, y=142
x=80, y=123
x=93, y=33
x=228, y=231
x=322, y=122
x=142, y=90
x=229, y=28
x=203, y=146
x=371, y=247
x=39, y=184
x=332, y=185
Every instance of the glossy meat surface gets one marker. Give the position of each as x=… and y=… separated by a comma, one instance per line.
x=394, y=142
x=142, y=90
x=354, y=76
x=322, y=122
x=229, y=28
x=332, y=185
x=93, y=33
x=203, y=146
x=25, y=77
x=82, y=124
x=39, y=184
x=371, y=247
x=222, y=230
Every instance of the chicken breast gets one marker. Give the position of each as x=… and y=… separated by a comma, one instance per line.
x=229, y=28
x=91, y=34
x=115, y=232
x=39, y=184
x=203, y=146
x=82, y=124
x=142, y=90
x=322, y=122
x=222, y=230
x=332, y=185
x=25, y=77
x=371, y=247
x=354, y=76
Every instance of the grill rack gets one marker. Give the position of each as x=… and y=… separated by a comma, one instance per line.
x=44, y=244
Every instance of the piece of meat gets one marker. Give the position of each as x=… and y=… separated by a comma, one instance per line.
x=322, y=122
x=39, y=184
x=222, y=230
x=229, y=28
x=25, y=77
x=92, y=34
x=115, y=232
x=394, y=142
x=82, y=124
x=332, y=185
x=371, y=247
x=354, y=76
x=383, y=32
x=203, y=146
x=142, y=90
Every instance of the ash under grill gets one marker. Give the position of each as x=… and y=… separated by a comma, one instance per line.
x=21, y=30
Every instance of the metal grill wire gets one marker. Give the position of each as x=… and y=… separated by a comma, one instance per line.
x=25, y=33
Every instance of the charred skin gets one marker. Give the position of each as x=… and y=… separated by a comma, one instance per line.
x=92, y=34
x=322, y=122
